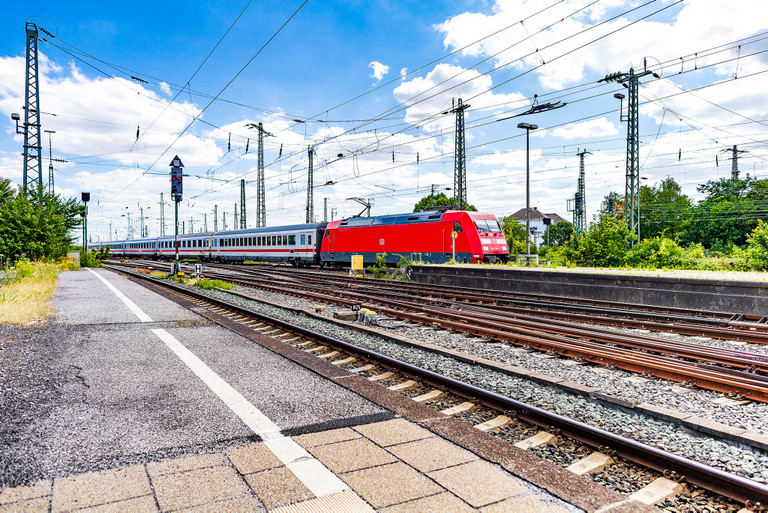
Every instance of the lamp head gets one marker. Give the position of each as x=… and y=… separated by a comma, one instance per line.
x=15, y=116
x=527, y=126
x=620, y=96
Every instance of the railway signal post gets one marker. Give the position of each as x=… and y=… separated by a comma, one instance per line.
x=176, y=193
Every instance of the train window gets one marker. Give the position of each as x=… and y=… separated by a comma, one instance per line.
x=309, y=239
x=327, y=235
x=493, y=224
x=285, y=240
x=274, y=240
x=303, y=239
x=457, y=227
x=291, y=240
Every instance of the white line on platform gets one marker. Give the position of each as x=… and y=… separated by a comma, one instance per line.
x=130, y=304
x=311, y=472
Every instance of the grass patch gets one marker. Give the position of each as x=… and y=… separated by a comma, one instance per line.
x=26, y=290
x=213, y=284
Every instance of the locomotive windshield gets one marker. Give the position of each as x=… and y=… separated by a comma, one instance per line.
x=487, y=225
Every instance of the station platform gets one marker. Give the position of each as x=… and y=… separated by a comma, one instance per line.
x=156, y=408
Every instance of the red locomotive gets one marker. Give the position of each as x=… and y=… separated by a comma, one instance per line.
x=427, y=236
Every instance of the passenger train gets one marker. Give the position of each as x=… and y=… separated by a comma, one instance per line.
x=425, y=236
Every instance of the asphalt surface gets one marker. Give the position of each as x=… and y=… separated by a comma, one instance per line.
x=96, y=389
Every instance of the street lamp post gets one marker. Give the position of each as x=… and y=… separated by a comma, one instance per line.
x=527, y=127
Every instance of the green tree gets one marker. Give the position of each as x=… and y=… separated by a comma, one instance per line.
x=439, y=200
x=728, y=213
x=605, y=244
x=514, y=231
x=35, y=224
x=558, y=234
x=664, y=210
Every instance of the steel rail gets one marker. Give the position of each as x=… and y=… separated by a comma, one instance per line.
x=717, y=324
x=740, y=359
x=747, y=385
x=705, y=476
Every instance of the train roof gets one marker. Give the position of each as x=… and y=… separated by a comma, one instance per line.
x=185, y=236
x=270, y=229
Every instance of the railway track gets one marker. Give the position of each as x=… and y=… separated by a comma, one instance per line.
x=725, y=326
x=425, y=385
x=739, y=373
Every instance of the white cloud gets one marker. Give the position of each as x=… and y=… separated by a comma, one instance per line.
x=696, y=26
x=403, y=73
x=379, y=70
x=593, y=128
x=427, y=96
x=164, y=87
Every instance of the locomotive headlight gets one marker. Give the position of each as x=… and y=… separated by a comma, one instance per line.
x=485, y=248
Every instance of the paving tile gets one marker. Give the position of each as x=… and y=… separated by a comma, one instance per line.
x=479, y=483
x=145, y=504
x=161, y=468
x=524, y=504
x=244, y=504
x=22, y=493
x=326, y=437
x=253, y=458
x=351, y=455
x=390, y=484
x=395, y=431
x=97, y=488
x=278, y=487
x=38, y=505
x=431, y=454
x=443, y=502
x=197, y=487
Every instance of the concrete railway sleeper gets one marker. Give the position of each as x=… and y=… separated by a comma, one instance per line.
x=427, y=385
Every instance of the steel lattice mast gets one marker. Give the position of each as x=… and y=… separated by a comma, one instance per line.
x=310, y=188
x=32, y=144
x=242, y=205
x=460, y=159
x=580, y=207
x=631, y=81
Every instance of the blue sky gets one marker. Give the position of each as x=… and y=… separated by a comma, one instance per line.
x=709, y=97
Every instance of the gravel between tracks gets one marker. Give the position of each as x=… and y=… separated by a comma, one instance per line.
x=730, y=456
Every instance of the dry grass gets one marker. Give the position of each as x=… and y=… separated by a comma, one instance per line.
x=26, y=299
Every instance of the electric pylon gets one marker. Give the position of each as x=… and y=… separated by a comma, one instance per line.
x=310, y=189
x=460, y=159
x=735, y=161
x=580, y=205
x=32, y=148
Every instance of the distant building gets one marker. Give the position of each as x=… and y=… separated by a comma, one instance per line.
x=538, y=227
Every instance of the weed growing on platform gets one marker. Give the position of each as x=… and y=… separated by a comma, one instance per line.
x=26, y=289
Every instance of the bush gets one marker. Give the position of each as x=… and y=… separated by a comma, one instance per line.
x=379, y=269
x=213, y=284
x=89, y=259
x=657, y=253
x=605, y=244
x=756, y=254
